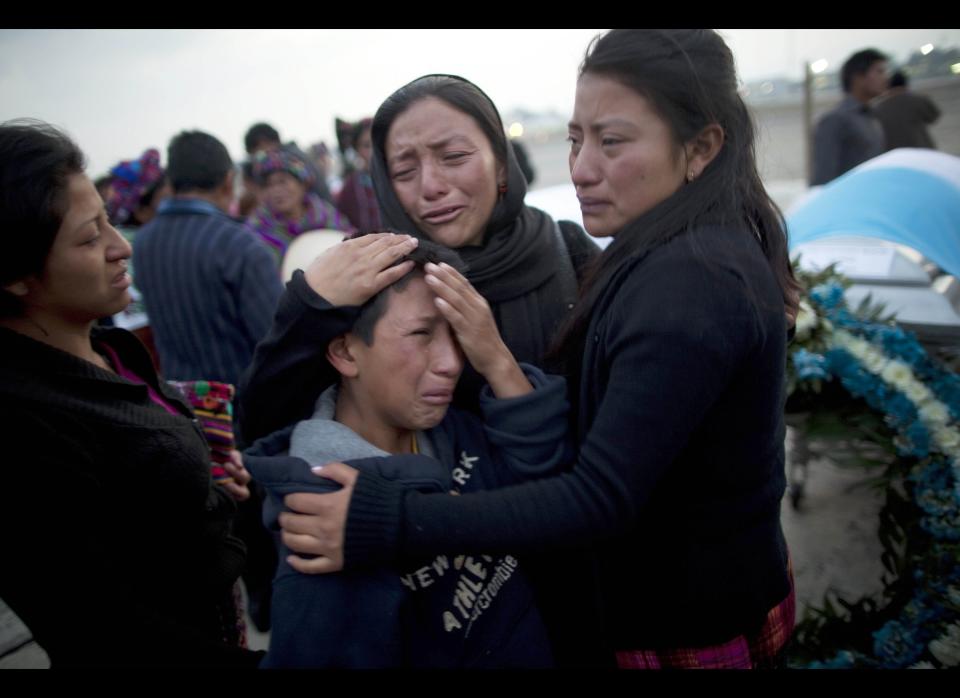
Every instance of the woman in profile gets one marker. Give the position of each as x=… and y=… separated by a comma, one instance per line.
x=117, y=547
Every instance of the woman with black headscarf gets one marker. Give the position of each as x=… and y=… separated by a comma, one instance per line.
x=443, y=170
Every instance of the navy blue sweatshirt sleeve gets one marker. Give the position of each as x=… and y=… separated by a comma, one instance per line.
x=288, y=371
x=348, y=620
x=672, y=340
x=529, y=433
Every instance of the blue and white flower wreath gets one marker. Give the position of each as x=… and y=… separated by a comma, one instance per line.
x=920, y=401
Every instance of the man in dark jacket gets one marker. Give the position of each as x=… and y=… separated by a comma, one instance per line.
x=210, y=286
x=905, y=115
x=850, y=133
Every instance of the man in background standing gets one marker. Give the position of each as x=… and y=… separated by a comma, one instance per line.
x=905, y=115
x=210, y=286
x=850, y=133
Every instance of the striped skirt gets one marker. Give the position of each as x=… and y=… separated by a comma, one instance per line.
x=764, y=650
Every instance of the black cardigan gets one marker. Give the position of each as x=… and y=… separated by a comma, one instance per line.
x=117, y=548
x=679, y=477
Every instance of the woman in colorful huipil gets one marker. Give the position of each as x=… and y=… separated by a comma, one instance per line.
x=289, y=207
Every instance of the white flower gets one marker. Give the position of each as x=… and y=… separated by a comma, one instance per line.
x=953, y=593
x=948, y=439
x=935, y=412
x=875, y=362
x=854, y=345
x=858, y=347
x=922, y=665
x=806, y=321
x=918, y=392
x=843, y=339
x=946, y=648
x=897, y=374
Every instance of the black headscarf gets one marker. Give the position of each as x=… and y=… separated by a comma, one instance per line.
x=522, y=268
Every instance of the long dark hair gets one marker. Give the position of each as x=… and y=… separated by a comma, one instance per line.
x=688, y=76
x=36, y=162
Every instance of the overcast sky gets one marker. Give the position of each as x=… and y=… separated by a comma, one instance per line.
x=121, y=91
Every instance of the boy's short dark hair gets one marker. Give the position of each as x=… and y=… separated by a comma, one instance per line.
x=858, y=64
x=197, y=161
x=257, y=134
x=373, y=309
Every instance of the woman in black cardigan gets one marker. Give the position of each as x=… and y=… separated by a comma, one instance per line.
x=675, y=355
x=117, y=547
